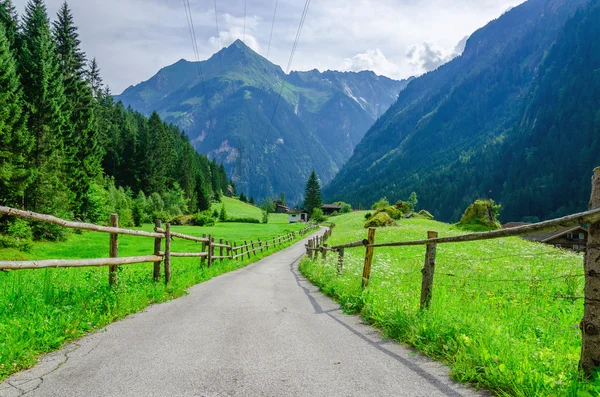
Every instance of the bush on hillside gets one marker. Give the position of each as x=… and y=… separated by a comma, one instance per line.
x=403, y=206
x=393, y=212
x=181, y=220
x=368, y=216
x=481, y=216
x=426, y=214
x=317, y=215
x=381, y=204
x=381, y=219
x=204, y=218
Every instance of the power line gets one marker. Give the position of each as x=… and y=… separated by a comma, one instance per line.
x=300, y=26
x=218, y=37
x=272, y=27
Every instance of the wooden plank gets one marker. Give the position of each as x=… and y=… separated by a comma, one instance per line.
x=74, y=225
x=247, y=250
x=368, y=258
x=66, y=263
x=114, y=251
x=185, y=236
x=157, y=247
x=428, y=272
x=186, y=254
x=203, y=260
x=590, y=323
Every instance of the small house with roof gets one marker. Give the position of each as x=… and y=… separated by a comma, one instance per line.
x=295, y=216
x=329, y=209
x=571, y=238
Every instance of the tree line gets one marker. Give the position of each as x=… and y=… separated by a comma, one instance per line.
x=68, y=149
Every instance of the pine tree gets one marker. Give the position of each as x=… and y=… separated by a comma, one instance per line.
x=312, y=194
x=15, y=140
x=202, y=193
x=10, y=20
x=95, y=79
x=44, y=102
x=83, y=152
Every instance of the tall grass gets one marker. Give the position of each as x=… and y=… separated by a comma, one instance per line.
x=504, y=313
x=42, y=309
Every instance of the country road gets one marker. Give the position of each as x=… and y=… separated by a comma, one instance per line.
x=260, y=331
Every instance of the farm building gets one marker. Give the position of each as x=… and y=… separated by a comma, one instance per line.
x=329, y=209
x=571, y=238
x=281, y=209
x=296, y=216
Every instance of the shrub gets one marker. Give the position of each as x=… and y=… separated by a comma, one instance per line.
x=413, y=201
x=120, y=202
x=381, y=204
x=242, y=220
x=175, y=202
x=393, y=212
x=346, y=208
x=96, y=204
x=181, y=220
x=317, y=215
x=426, y=214
x=202, y=219
x=215, y=213
x=481, y=216
x=381, y=219
x=403, y=206
x=265, y=216
x=368, y=216
x=223, y=214
x=140, y=210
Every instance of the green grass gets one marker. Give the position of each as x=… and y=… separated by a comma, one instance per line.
x=238, y=209
x=499, y=314
x=42, y=309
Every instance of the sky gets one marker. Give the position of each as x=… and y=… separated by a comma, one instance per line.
x=133, y=39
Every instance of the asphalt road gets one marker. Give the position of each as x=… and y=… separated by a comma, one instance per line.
x=260, y=331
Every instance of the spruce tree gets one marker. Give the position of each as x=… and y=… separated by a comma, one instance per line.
x=44, y=102
x=10, y=20
x=202, y=193
x=95, y=79
x=82, y=150
x=312, y=194
x=15, y=140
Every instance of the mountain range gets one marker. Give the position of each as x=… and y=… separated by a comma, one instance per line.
x=269, y=128
x=514, y=118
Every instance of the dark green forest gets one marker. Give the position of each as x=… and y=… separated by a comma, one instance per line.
x=515, y=118
x=68, y=149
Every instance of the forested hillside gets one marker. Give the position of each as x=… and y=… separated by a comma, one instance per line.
x=67, y=149
x=227, y=104
x=514, y=118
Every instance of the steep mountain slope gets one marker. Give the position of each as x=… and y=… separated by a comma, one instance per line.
x=226, y=105
x=448, y=123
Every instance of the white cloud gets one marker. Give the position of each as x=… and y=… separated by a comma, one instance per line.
x=426, y=57
x=234, y=30
x=370, y=60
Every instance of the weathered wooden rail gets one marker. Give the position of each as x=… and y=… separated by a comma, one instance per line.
x=590, y=324
x=207, y=255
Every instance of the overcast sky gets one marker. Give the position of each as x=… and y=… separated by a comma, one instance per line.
x=133, y=39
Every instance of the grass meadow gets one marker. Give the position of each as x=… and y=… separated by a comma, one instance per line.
x=504, y=313
x=42, y=309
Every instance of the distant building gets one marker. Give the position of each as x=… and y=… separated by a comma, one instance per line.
x=281, y=209
x=571, y=238
x=296, y=216
x=329, y=209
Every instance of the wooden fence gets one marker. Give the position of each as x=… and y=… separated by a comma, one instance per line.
x=590, y=324
x=208, y=253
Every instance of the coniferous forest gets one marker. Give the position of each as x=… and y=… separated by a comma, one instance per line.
x=68, y=149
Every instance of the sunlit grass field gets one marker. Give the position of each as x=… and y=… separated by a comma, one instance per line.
x=236, y=208
x=42, y=309
x=504, y=313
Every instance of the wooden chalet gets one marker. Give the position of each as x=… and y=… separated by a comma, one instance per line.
x=281, y=209
x=571, y=238
x=295, y=216
x=329, y=209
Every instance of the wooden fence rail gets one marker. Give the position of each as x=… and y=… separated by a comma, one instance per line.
x=590, y=324
x=207, y=254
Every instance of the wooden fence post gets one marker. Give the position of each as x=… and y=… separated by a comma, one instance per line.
x=340, y=260
x=428, y=272
x=203, y=259
x=247, y=248
x=114, y=251
x=157, y=245
x=209, y=250
x=324, y=251
x=168, y=253
x=368, y=258
x=233, y=250
x=229, y=250
x=221, y=249
x=260, y=245
x=590, y=324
